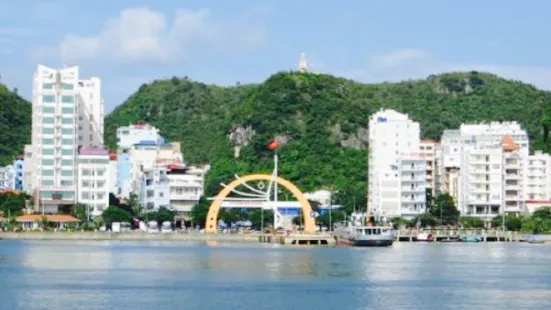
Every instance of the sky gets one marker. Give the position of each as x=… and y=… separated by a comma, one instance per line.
x=130, y=42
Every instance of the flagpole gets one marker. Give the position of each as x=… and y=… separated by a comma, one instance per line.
x=275, y=186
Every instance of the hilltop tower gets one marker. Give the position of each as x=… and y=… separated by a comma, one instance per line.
x=303, y=63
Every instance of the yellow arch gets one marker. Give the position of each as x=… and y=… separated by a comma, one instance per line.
x=211, y=223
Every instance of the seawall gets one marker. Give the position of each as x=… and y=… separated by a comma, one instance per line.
x=128, y=236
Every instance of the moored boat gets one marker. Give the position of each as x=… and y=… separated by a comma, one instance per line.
x=352, y=233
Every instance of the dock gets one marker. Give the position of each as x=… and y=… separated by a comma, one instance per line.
x=450, y=235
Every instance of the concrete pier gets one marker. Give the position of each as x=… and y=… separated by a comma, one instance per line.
x=450, y=235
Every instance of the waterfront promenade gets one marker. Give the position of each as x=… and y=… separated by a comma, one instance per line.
x=401, y=236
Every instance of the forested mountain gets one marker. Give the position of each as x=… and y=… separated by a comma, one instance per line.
x=320, y=120
x=15, y=125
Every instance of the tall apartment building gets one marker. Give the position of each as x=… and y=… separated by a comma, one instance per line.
x=61, y=121
x=397, y=172
x=428, y=150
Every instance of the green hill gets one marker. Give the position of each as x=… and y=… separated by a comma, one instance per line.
x=321, y=119
x=15, y=125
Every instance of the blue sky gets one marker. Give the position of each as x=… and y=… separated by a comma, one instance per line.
x=128, y=43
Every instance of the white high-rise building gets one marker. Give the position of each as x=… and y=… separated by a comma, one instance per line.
x=90, y=112
x=59, y=120
x=396, y=180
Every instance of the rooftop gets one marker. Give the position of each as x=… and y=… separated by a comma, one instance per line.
x=52, y=218
x=90, y=150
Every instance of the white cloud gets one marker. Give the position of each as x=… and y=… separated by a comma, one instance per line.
x=418, y=64
x=144, y=35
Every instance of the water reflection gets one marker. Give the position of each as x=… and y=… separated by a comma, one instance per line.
x=134, y=275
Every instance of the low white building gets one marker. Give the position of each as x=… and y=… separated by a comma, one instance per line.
x=538, y=177
x=93, y=179
x=186, y=186
x=154, y=190
x=132, y=134
x=7, y=177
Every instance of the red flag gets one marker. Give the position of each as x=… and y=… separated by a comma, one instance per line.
x=273, y=145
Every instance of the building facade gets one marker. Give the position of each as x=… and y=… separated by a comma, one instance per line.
x=18, y=167
x=428, y=150
x=186, y=186
x=127, y=136
x=7, y=178
x=394, y=145
x=64, y=116
x=154, y=190
x=483, y=167
x=93, y=179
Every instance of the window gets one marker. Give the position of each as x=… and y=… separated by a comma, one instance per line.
x=66, y=183
x=67, y=131
x=67, y=86
x=67, y=173
x=66, y=162
x=47, y=151
x=67, y=99
x=48, y=141
x=48, y=110
x=47, y=162
x=48, y=131
x=67, y=110
x=47, y=182
x=48, y=98
x=66, y=141
x=48, y=120
x=47, y=173
x=66, y=152
x=47, y=86
x=161, y=194
x=67, y=121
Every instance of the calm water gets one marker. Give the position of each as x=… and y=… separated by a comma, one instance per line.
x=158, y=275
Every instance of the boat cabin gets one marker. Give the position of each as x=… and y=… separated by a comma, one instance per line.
x=368, y=231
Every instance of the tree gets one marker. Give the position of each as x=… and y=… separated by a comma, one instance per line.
x=164, y=215
x=471, y=222
x=199, y=211
x=80, y=211
x=444, y=209
x=257, y=215
x=116, y=214
x=512, y=222
x=12, y=203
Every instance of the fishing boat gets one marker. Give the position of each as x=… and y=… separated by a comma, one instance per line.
x=425, y=237
x=535, y=239
x=470, y=238
x=354, y=233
